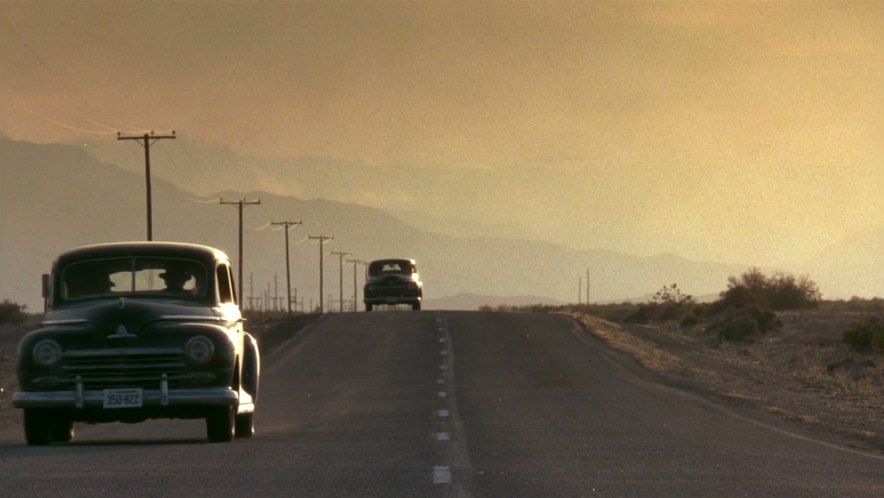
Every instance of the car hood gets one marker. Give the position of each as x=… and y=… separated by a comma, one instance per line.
x=126, y=316
x=124, y=323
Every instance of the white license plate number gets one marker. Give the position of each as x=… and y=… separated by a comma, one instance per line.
x=123, y=398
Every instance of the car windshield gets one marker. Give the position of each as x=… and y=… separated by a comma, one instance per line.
x=134, y=277
x=388, y=267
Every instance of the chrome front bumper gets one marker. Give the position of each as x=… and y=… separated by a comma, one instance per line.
x=215, y=396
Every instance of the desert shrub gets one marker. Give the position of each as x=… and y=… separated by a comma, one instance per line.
x=744, y=324
x=615, y=312
x=874, y=305
x=878, y=340
x=12, y=312
x=865, y=336
x=779, y=292
x=693, y=318
x=667, y=305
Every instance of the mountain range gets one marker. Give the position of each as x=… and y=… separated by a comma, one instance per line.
x=53, y=197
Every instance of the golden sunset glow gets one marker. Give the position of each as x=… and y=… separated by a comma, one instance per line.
x=747, y=133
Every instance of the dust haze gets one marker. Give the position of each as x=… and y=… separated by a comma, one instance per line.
x=746, y=134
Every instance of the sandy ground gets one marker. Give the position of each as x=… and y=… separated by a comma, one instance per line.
x=10, y=418
x=803, y=373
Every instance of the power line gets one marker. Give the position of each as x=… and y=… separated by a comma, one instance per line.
x=147, y=140
x=25, y=44
x=57, y=81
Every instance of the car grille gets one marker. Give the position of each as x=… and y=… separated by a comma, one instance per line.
x=105, y=369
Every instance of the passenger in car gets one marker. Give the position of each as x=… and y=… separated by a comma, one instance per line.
x=88, y=282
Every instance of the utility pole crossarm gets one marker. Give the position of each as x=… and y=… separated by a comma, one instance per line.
x=288, y=274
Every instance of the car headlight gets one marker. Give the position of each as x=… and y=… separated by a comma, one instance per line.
x=47, y=353
x=199, y=349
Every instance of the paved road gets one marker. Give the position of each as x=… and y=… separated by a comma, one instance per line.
x=452, y=404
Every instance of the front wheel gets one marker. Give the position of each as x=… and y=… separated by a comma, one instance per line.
x=367, y=307
x=62, y=430
x=38, y=427
x=416, y=306
x=220, y=424
x=245, y=425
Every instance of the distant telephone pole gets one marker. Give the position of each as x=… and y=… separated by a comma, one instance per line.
x=146, y=141
x=322, y=240
x=288, y=274
x=341, y=255
x=356, y=262
x=587, y=286
x=239, y=204
x=251, y=291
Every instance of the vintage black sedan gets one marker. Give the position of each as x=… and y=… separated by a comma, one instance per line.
x=391, y=282
x=135, y=331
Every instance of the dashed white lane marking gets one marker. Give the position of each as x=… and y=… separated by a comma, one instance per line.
x=450, y=435
x=441, y=474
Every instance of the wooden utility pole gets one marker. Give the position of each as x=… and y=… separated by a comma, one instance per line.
x=239, y=204
x=356, y=262
x=587, y=286
x=146, y=141
x=251, y=291
x=288, y=274
x=322, y=240
x=341, y=255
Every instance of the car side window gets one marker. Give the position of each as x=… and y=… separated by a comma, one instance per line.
x=225, y=286
x=233, y=295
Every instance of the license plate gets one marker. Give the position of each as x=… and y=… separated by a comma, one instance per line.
x=123, y=398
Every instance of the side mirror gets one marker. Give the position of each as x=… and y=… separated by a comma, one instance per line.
x=46, y=286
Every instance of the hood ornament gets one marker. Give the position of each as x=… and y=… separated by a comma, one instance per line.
x=121, y=333
x=122, y=302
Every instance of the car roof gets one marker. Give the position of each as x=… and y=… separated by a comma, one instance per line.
x=393, y=260
x=117, y=249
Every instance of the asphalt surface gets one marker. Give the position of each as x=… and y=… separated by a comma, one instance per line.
x=452, y=404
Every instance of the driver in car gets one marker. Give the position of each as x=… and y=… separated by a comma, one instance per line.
x=175, y=279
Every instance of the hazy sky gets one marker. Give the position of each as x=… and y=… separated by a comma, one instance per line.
x=744, y=132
